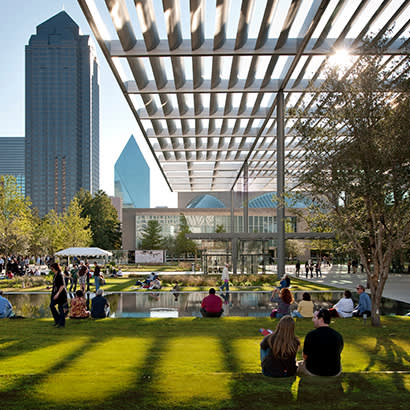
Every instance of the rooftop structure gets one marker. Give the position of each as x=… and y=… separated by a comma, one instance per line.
x=214, y=85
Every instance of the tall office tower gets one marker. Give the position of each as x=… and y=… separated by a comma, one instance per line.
x=62, y=114
x=12, y=159
x=131, y=177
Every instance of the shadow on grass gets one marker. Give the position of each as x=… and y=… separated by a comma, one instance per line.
x=201, y=358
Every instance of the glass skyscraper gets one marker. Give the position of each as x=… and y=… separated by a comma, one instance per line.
x=12, y=159
x=131, y=177
x=62, y=114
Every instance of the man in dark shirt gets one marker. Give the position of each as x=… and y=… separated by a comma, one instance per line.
x=99, y=305
x=211, y=305
x=322, y=348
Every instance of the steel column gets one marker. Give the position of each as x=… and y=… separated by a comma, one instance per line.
x=280, y=210
x=245, y=197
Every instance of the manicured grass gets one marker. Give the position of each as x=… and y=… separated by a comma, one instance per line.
x=192, y=363
x=186, y=283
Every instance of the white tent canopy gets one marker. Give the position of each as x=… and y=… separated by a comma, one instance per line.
x=82, y=252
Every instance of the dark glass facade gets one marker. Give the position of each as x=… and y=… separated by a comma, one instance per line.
x=62, y=114
x=12, y=159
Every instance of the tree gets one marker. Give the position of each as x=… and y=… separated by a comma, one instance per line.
x=151, y=235
x=183, y=245
x=104, y=223
x=55, y=232
x=168, y=243
x=16, y=222
x=75, y=228
x=358, y=168
x=220, y=228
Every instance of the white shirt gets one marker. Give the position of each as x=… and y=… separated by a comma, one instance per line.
x=344, y=307
x=225, y=273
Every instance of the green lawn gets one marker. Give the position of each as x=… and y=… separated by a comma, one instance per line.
x=186, y=283
x=192, y=363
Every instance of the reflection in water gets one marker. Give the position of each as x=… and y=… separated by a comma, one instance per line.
x=170, y=304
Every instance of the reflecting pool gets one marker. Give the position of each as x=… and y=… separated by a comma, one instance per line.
x=187, y=304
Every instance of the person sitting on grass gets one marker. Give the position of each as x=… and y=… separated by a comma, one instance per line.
x=211, y=305
x=78, y=307
x=278, y=350
x=365, y=305
x=322, y=348
x=284, y=282
x=284, y=299
x=99, y=305
x=305, y=307
x=155, y=284
x=6, y=310
x=343, y=308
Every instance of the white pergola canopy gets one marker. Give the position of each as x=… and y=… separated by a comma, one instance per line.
x=84, y=252
x=203, y=77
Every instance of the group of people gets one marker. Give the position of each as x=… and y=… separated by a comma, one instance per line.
x=78, y=308
x=80, y=274
x=151, y=282
x=321, y=351
x=343, y=308
x=17, y=265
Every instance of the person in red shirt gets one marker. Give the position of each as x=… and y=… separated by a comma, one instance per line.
x=211, y=305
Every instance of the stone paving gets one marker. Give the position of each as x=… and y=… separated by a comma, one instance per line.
x=397, y=286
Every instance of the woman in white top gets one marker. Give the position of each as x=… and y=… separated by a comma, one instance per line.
x=345, y=306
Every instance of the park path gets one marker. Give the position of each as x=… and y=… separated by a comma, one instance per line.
x=397, y=286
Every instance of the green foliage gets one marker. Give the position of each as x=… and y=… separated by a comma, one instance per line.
x=151, y=235
x=220, y=229
x=168, y=243
x=104, y=223
x=183, y=245
x=358, y=168
x=55, y=232
x=16, y=222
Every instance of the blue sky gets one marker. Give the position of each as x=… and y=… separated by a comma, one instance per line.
x=19, y=21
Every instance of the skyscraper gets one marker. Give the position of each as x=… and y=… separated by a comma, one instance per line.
x=12, y=159
x=62, y=114
x=131, y=177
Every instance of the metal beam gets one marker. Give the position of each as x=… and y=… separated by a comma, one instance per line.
x=290, y=48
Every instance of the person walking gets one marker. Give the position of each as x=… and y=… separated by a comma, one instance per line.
x=74, y=278
x=58, y=296
x=225, y=278
x=297, y=267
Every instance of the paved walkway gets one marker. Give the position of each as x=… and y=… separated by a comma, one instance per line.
x=397, y=286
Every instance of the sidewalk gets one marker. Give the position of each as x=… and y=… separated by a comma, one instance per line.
x=397, y=286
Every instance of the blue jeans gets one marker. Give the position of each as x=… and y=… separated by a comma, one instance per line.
x=97, y=282
x=295, y=313
x=225, y=286
x=59, y=317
